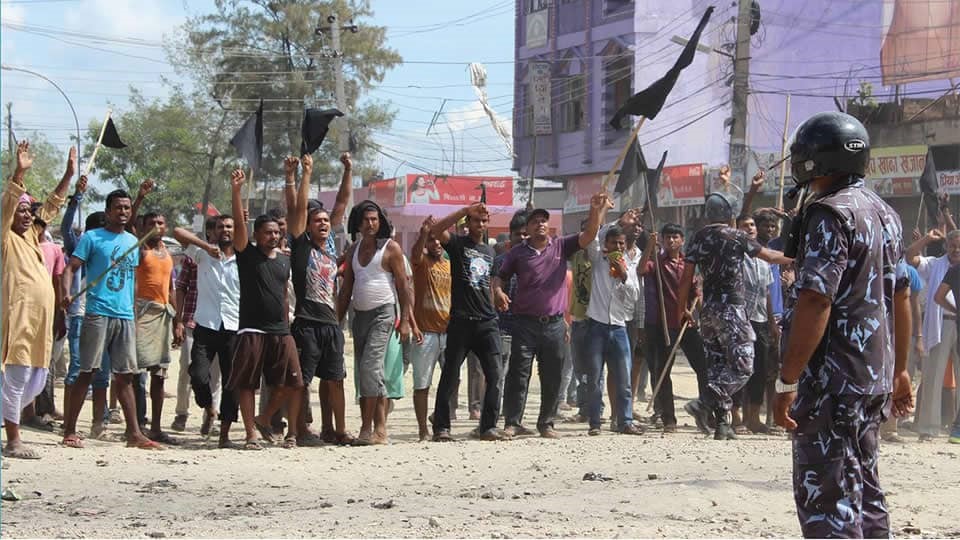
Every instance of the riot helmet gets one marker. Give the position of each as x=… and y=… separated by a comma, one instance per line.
x=718, y=208
x=828, y=144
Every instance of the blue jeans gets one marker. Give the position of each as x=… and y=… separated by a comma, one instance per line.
x=578, y=346
x=101, y=377
x=610, y=344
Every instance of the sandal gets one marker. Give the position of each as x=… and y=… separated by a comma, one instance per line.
x=227, y=445
x=145, y=445
x=343, y=439
x=310, y=440
x=21, y=452
x=72, y=441
x=289, y=443
x=162, y=438
x=252, y=445
x=741, y=429
x=266, y=432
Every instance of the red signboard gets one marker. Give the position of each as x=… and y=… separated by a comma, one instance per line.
x=681, y=185
x=458, y=190
x=383, y=192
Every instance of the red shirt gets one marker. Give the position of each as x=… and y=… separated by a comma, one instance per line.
x=671, y=271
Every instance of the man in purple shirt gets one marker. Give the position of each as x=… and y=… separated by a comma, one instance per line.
x=540, y=266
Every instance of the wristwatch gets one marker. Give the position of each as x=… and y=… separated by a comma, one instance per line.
x=784, y=388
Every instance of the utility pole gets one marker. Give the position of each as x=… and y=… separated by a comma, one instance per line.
x=10, y=142
x=343, y=138
x=741, y=77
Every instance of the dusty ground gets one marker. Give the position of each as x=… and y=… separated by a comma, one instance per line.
x=678, y=485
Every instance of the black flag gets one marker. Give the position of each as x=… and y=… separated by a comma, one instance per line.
x=314, y=128
x=653, y=181
x=649, y=101
x=929, y=186
x=634, y=167
x=249, y=139
x=111, y=139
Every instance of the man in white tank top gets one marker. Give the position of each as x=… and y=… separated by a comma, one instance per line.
x=372, y=281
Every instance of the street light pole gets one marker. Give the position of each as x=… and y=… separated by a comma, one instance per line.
x=76, y=120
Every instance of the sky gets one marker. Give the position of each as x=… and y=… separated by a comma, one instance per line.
x=96, y=49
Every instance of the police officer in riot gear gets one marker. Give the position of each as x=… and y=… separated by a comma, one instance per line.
x=719, y=250
x=846, y=333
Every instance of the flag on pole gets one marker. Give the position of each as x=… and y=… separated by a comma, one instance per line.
x=634, y=167
x=648, y=102
x=313, y=130
x=249, y=139
x=653, y=181
x=929, y=186
x=111, y=139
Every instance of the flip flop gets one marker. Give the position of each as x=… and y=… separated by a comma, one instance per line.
x=228, y=445
x=72, y=441
x=253, y=445
x=310, y=439
x=145, y=445
x=22, y=452
x=38, y=423
x=360, y=441
x=741, y=429
x=289, y=443
x=162, y=438
x=343, y=439
x=266, y=432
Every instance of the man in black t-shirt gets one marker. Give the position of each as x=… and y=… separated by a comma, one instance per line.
x=315, y=328
x=264, y=344
x=473, y=321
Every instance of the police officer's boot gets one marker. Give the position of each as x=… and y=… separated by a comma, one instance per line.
x=724, y=431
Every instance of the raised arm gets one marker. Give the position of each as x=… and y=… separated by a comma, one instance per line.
x=599, y=205
x=61, y=189
x=416, y=253
x=187, y=238
x=441, y=229
x=946, y=214
x=289, y=185
x=913, y=252
x=652, y=245
x=239, y=216
x=70, y=237
x=345, y=191
x=15, y=188
x=145, y=188
x=297, y=212
x=755, y=186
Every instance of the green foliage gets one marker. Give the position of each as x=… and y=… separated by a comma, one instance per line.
x=179, y=142
x=252, y=49
x=48, y=164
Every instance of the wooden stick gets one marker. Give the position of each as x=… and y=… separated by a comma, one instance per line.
x=783, y=153
x=533, y=174
x=623, y=153
x=153, y=232
x=668, y=365
x=96, y=148
x=250, y=188
x=920, y=213
x=656, y=265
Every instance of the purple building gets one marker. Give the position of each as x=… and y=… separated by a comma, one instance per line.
x=599, y=52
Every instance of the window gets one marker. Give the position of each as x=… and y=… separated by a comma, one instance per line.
x=533, y=6
x=614, y=6
x=618, y=83
x=571, y=102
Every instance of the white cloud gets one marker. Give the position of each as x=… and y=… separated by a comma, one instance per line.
x=13, y=13
x=147, y=19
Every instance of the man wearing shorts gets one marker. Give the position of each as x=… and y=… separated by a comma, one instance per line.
x=154, y=318
x=374, y=277
x=316, y=328
x=216, y=321
x=431, y=310
x=108, y=257
x=264, y=344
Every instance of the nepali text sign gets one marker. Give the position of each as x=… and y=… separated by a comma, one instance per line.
x=681, y=185
x=458, y=190
x=949, y=182
x=894, y=171
x=540, y=86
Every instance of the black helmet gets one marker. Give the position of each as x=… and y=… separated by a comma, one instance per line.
x=718, y=208
x=829, y=143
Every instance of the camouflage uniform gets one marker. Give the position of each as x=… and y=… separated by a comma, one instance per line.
x=719, y=251
x=851, y=253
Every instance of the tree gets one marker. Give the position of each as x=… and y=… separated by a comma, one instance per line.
x=179, y=142
x=48, y=164
x=252, y=49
